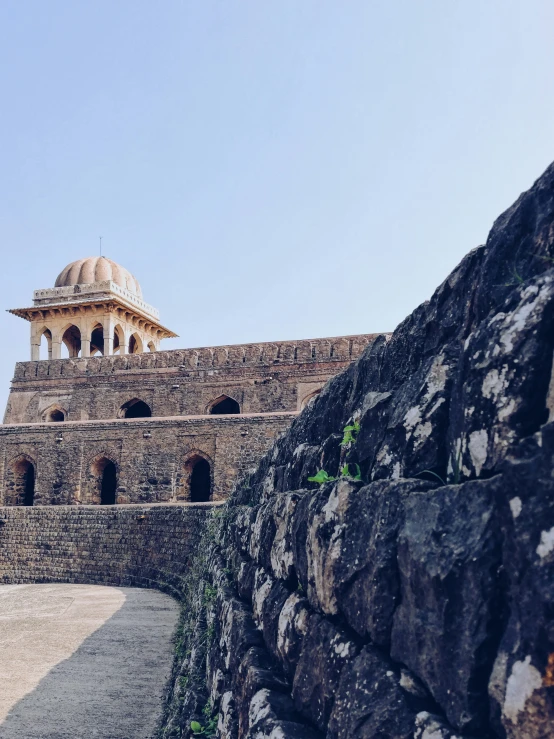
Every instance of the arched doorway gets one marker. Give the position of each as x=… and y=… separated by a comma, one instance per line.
x=109, y=485
x=22, y=474
x=199, y=478
x=103, y=482
x=135, y=408
x=223, y=405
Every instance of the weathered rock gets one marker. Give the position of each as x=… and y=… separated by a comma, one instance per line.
x=256, y=673
x=522, y=682
x=414, y=438
x=268, y=600
x=292, y=627
x=351, y=545
x=429, y=726
x=238, y=633
x=325, y=652
x=281, y=555
x=496, y=401
x=370, y=702
x=447, y=627
x=227, y=724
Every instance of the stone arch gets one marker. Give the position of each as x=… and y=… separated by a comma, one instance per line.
x=45, y=343
x=20, y=481
x=223, y=405
x=71, y=339
x=118, y=339
x=103, y=476
x=151, y=346
x=54, y=414
x=198, y=477
x=135, y=344
x=97, y=340
x=135, y=408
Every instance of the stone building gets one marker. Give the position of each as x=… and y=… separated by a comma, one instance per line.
x=106, y=417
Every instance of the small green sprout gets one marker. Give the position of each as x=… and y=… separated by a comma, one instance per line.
x=345, y=472
x=350, y=433
x=321, y=477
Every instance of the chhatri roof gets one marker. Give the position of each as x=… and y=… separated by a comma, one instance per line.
x=97, y=269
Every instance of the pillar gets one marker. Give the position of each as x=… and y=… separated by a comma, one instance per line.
x=85, y=347
x=108, y=326
x=35, y=352
x=56, y=349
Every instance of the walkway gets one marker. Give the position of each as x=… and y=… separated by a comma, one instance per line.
x=82, y=661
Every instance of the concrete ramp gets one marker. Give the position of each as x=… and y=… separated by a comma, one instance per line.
x=83, y=661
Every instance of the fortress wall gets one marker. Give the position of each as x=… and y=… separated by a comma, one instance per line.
x=410, y=594
x=261, y=377
x=143, y=546
x=150, y=455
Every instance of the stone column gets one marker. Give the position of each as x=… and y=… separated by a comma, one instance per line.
x=35, y=352
x=85, y=347
x=56, y=349
x=108, y=325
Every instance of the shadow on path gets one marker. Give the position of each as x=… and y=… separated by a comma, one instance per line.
x=111, y=687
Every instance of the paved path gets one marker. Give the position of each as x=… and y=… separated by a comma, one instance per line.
x=82, y=661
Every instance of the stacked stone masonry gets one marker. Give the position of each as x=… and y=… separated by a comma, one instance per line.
x=154, y=456
x=139, y=546
x=418, y=600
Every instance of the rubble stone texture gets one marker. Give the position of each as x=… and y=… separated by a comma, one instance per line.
x=417, y=601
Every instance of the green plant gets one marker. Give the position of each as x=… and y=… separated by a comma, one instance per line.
x=345, y=471
x=208, y=730
x=210, y=593
x=350, y=433
x=321, y=477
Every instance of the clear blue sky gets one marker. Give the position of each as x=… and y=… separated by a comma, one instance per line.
x=268, y=170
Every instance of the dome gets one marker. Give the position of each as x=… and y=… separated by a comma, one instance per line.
x=97, y=269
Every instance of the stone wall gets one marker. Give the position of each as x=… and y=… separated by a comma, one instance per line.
x=413, y=595
x=143, y=546
x=260, y=377
x=150, y=455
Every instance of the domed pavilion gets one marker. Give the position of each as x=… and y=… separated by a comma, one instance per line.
x=94, y=308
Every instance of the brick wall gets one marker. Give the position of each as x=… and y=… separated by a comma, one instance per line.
x=260, y=377
x=150, y=455
x=143, y=546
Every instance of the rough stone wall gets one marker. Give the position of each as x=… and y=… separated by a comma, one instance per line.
x=260, y=377
x=418, y=600
x=150, y=456
x=142, y=546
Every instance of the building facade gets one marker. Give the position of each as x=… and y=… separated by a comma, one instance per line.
x=119, y=421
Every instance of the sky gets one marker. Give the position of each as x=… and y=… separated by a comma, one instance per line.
x=267, y=170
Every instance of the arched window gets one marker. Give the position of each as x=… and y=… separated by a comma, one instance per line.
x=45, y=351
x=135, y=344
x=135, y=408
x=104, y=481
x=118, y=339
x=54, y=414
x=71, y=342
x=22, y=490
x=97, y=340
x=223, y=405
x=199, y=476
